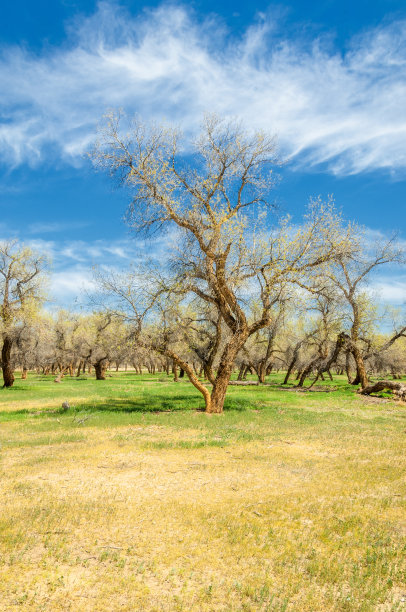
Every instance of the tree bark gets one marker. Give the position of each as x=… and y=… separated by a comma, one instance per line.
x=348, y=366
x=361, y=377
x=100, y=370
x=224, y=372
x=79, y=368
x=8, y=375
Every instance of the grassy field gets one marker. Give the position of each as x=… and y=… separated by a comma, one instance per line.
x=134, y=500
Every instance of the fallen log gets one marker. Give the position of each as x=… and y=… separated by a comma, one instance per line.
x=398, y=388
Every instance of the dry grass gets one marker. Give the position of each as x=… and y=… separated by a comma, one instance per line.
x=180, y=511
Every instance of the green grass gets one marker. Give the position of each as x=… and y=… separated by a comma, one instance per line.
x=133, y=499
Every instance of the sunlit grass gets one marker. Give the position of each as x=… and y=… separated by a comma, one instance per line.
x=134, y=500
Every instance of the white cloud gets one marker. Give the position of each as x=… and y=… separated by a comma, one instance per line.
x=70, y=285
x=348, y=110
x=391, y=290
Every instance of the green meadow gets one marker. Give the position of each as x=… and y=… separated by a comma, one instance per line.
x=135, y=499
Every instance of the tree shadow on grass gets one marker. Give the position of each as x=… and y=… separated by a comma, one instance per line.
x=156, y=404
x=150, y=404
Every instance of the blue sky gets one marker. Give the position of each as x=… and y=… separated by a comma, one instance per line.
x=329, y=78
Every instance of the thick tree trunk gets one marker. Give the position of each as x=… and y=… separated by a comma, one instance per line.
x=8, y=375
x=100, y=370
x=218, y=394
x=224, y=371
x=361, y=377
x=261, y=374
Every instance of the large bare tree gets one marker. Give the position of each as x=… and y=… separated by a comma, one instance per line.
x=215, y=192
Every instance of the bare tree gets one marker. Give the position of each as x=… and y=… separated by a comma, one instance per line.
x=350, y=277
x=21, y=291
x=218, y=202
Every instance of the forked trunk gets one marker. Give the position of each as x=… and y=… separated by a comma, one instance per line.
x=224, y=372
x=8, y=375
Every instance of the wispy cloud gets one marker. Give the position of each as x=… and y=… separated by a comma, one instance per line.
x=344, y=110
x=391, y=289
x=54, y=227
x=71, y=286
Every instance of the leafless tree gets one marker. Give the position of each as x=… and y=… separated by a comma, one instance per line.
x=218, y=203
x=21, y=292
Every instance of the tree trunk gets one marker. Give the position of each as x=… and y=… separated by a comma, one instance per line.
x=241, y=372
x=218, y=394
x=361, y=377
x=224, y=371
x=100, y=370
x=261, y=373
x=8, y=376
x=24, y=373
x=79, y=368
x=305, y=373
x=289, y=372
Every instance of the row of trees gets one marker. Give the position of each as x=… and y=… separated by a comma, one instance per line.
x=239, y=288
x=305, y=345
